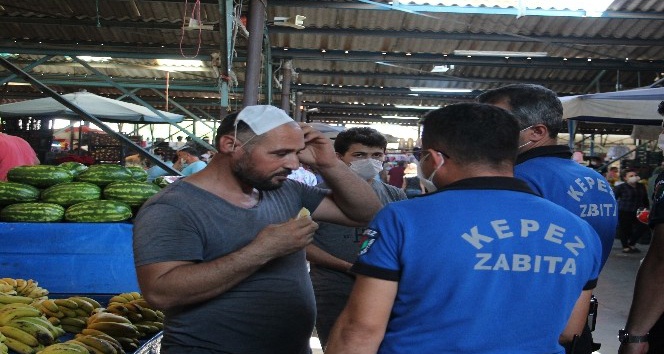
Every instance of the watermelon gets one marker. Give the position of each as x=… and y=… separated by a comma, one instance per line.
x=102, y=175
x=98, y=211
x=74, y=167
x=131, y=192
x=12, y=192
x=40, y=176
x=139, y=174
x=70, y=193
x=32, y=212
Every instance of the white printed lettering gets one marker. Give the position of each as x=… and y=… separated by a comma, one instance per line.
x=579, y=182
x=501, y=264
x=552, y=262
x=576, y=195
x=569, y=267
x=475, y=238
x=484, y=257
x=528, y=226
x=521, y=263
x=554, y=234
x=601, y=186
x=500, y=226
x=573, y=246
x=525, y=263
x=590, y=181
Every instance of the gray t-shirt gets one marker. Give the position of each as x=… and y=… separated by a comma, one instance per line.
x=344, y=243
x=272, y=311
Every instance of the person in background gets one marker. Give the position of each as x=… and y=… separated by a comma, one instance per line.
x=613, y=175
x=549, y=170
x=190, y=160
x=631, y=197
x=396, y=173
x=303, y=175
x=463, y=270
x=644, y=330
x=411, y=183
x=14, y=151
x=335, y=247
x=156, y=171
x=221, y=252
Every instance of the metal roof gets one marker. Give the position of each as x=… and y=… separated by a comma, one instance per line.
x=354, y=59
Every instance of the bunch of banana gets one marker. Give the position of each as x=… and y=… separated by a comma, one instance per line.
x=71, y=313
x=116, y=326
x=3, y=348
x=28, y=288
x=98, y=342
x=134, y=307
x=25, y=329
x=69, y=347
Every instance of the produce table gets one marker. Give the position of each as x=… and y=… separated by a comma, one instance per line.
x=70, y=258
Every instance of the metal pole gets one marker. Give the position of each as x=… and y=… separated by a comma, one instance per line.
x=256, y=25
x=287, y=70
x=226, y=48
x=87, y=116
x=297, y=113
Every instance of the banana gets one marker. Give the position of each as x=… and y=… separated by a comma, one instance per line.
x=54, y=329
x=54, y=320
x=157, y=324
x=100, y=344
x=114, y=342
x=49, y=313
x=83, y=304
x=19, y=335
x=74, y=321
x=50, y=305
x=88, y=348
x=115, y=329
x=91, y=301
x=10, y=281
x=129, y=296
x=107, y=317
x=81, y=313
x=38, y=292
x=65, y=348
x=128, y=344
x=142, y=303
x=66, y=303
x=134, y=317
x=11, y=299
x=119, y=299
x=9, y=314
x=20, y=285
x=149, y=314
x=132, y=307
x=19, y=346
x=43, y=335
x=71, y=329
x=3, y=348
x=118, y=308
x=67, y=311
x=147, y=329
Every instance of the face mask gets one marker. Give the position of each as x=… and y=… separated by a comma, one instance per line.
x=660, y=142
x=366, y=168
x=528, y=142
x=428, y=181
x=633, y=179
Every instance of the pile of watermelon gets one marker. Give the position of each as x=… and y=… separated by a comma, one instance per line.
x=73, y=192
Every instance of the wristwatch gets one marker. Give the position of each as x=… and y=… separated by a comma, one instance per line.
x=625, y=337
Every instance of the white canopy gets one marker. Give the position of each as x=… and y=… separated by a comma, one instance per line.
x=637, y=107
x=104, y=109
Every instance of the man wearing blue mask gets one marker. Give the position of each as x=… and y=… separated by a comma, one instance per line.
x=335, y=246
x=549, y=170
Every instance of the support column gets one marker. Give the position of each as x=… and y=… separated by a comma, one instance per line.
x=297, y=113
x=226, y=49
x=287, y=76
x=256, y=25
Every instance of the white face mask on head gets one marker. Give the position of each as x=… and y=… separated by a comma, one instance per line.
x=428, y=181
x=633, y=179
x=366, y=168
x=528, y=142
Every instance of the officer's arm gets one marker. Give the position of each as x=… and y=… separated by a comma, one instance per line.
x=577, y=319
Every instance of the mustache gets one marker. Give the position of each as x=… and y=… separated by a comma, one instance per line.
x=284, y=173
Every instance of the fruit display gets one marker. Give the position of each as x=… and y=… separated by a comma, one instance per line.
x=32, y=323
x=40, y=176
x=73, y=192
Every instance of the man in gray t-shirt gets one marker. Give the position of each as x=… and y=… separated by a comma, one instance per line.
x=335, y=247
x=221, y=252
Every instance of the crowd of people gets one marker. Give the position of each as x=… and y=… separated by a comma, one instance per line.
x=501, y=224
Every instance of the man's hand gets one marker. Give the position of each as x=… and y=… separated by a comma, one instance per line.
x=282, y=239
x=633, y=348
x=319, y=149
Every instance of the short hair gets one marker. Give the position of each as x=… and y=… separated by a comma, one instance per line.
x=244, y=132
x=191, y=151
x=624, y=172
x=472, y=133
x=530, y=104
x=360, y=135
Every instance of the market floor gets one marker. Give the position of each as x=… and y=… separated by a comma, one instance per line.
x=613, y=292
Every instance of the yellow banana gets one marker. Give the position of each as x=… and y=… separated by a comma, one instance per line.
x=99, y=344
x=50, y=305
x=54, y=329
x=54, y=320
x=136, y=295
x=115, y=329
x=147, y=329
x=107, y=317
x=66, y=303
x=149, y=314
x=10, y=281
x=43, y=335
x=19, y=335
x=133, y=307
x=3, y=348
x=73, y=321
x=71, y=329
x=157, y=324
x=95, y=333
x=91, y=301
x=19, y=347
x=82, y=313
x=118, y=299
x=12, y=299
x=117, y=308
x=129, y=296
x=65, y=348
x=21, y=284
x=128, y=344
x=67, y=311
x=142, y=303
x=9, y=314
x=83, y=304
x=88, y=348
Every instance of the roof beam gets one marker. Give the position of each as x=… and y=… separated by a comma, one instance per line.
x=471, y=10
x=444, y=59
x=466, y=36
